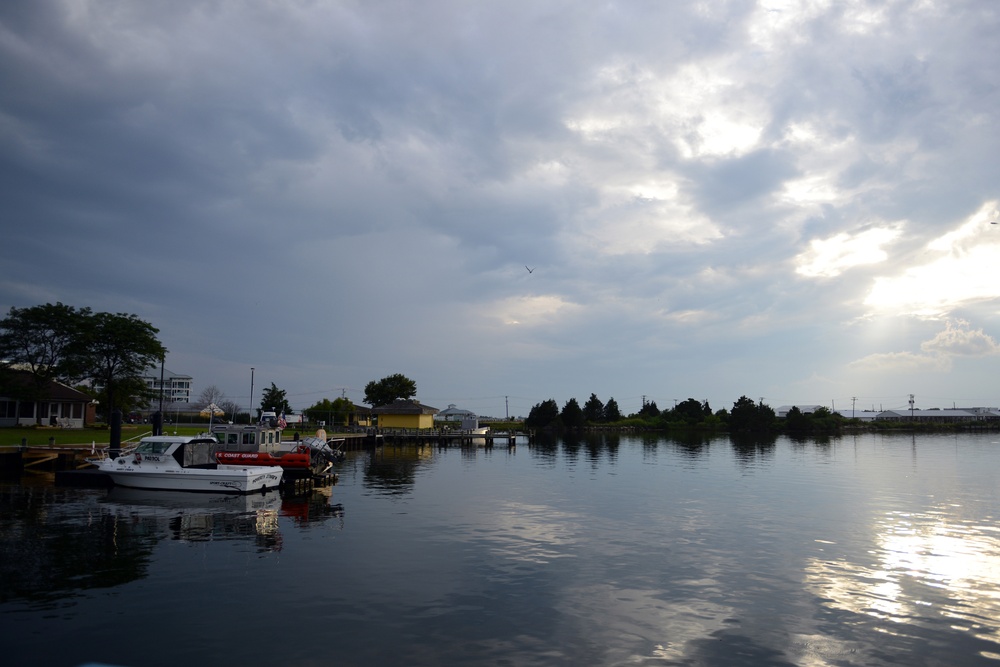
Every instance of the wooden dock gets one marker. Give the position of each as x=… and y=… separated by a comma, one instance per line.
x=41, y=457
x=450, y=437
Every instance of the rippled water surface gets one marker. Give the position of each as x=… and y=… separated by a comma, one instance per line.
x=866, y=550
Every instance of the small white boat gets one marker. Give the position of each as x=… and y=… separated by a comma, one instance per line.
x=179, y=463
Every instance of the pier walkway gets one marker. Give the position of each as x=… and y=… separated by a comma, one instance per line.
x=454, y=437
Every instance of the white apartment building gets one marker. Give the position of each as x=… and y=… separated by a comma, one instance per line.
x=176, y=388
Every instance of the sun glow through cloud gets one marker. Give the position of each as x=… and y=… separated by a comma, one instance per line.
x=830, y=257
x=938, y=287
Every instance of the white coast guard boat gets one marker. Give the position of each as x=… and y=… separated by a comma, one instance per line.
x=179, y=463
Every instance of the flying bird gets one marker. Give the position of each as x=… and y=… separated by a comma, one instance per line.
x=532, y=270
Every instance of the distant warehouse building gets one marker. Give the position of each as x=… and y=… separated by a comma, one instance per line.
x=904, y=415
x=953, y=415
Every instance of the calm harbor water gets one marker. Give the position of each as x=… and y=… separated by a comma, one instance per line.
x=867, y=550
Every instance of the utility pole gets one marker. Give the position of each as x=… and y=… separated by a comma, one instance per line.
x=853, y=399
x=250, y=409
x=506, y=407
x=911, y=407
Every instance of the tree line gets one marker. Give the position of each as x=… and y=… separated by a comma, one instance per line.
x=746, y=416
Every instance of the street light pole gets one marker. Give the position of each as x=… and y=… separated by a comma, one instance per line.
x=250, y=409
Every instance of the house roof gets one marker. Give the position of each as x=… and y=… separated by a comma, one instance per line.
x=928, y=414
x=55, y=391
x=452, y=411
x=153, y=373
x=403, y=406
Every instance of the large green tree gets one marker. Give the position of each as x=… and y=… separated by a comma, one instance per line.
x=388, y=389
x=333, y=412
x=114, y=352
x=749, y=417
x=690, y=411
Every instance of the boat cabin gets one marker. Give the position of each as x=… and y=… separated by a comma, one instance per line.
x=262, y=437
x=187, y=452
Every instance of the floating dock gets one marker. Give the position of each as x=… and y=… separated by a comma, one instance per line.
x=461, y=438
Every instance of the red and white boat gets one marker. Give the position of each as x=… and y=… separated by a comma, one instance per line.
x=262, y=445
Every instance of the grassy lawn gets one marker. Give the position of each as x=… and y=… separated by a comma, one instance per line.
x=83, y=436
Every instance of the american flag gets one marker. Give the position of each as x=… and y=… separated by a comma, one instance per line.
x=281, y=421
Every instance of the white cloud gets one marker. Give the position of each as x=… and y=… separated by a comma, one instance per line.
x=830, y=257
x=901, y=362
x=641, y=219
x=530, y=310
x=959, y=339
x=936, y=355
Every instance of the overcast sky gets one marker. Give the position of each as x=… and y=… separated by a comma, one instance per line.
x=784, y=199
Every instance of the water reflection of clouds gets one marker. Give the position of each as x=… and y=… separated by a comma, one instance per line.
x=929, y=571
x=596, y=595
x=633, y=626
x=533, y=533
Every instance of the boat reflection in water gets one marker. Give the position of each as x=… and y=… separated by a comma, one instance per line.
x=200, y=517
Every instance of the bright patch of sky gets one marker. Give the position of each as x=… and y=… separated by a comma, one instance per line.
x=830, y=257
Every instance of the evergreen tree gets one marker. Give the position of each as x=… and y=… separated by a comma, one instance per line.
x=593, y=409
x=543, y=415
x=572, y=415
x=274, y=400
x=611, y=412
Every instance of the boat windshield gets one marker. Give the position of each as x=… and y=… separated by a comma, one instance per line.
x=146, y=447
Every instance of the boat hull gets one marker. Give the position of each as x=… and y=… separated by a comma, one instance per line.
x=222, y=479
x=288, y=461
